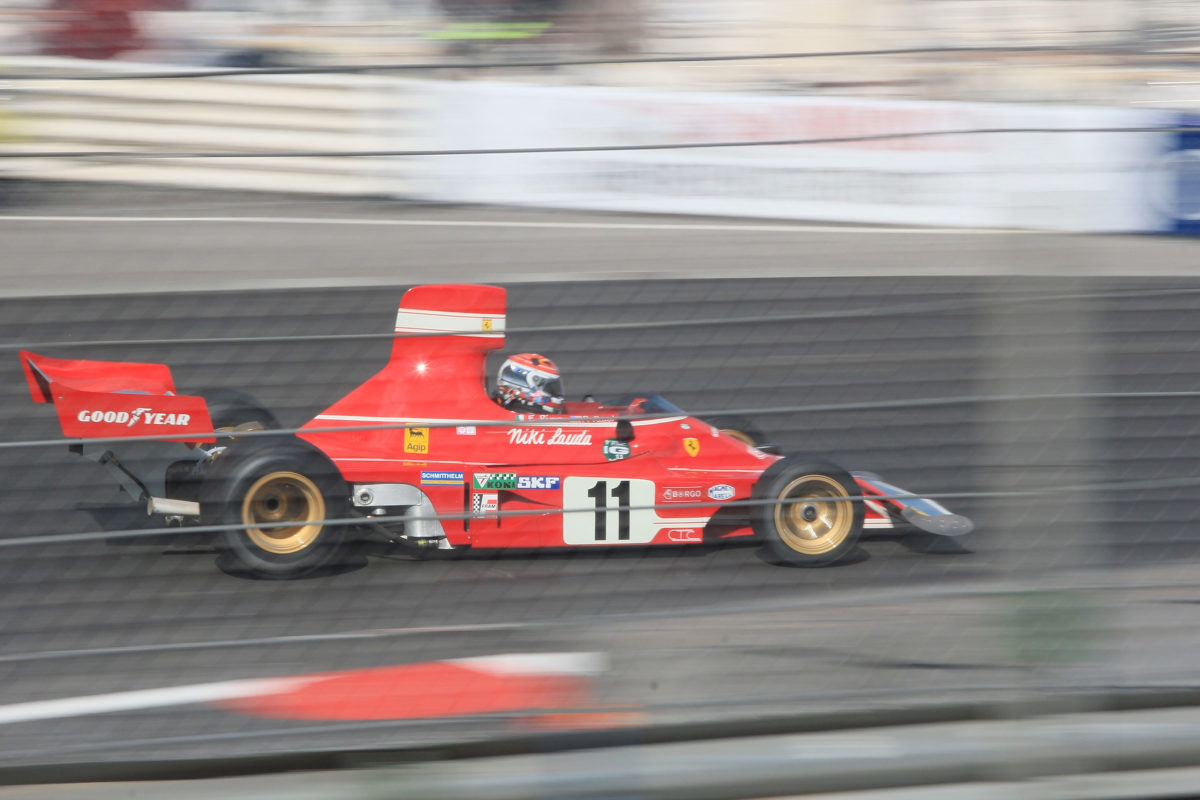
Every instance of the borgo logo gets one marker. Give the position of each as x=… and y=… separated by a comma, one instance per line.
x=722, y=491
x=147, y=416
x=681, y=494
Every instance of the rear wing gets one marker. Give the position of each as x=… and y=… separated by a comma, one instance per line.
x=113, y=399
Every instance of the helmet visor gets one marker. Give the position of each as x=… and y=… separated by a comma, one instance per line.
x=552, y=386
x=526, y=378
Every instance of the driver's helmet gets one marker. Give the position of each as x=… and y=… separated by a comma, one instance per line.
x=530, y=382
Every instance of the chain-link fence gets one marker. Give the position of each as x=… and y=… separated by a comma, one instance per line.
x=1040, y=384
x=1056, y=412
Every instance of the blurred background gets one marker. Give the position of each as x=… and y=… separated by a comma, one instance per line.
x=1051, y=50
x=948, y=241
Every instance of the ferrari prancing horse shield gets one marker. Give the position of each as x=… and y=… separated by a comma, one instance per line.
x=692, y=446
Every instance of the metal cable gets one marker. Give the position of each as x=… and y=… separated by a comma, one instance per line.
x=614, y=148
x=855, y=313
x=343, y=69
x=1109, y=488
x=870, y=405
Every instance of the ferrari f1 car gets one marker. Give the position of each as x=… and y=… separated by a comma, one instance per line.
x=451, y=468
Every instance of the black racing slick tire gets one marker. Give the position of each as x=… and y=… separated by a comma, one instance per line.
x=739, y=428
x=231, y=412
x=265, y=484
x=230, y=409
x=813, y=521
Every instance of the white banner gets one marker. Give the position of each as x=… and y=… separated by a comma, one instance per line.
x=1075, y=181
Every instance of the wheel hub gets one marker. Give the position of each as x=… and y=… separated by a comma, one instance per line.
x=279, y=498
x=819, y=517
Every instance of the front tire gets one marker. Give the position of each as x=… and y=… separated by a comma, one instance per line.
x=282, y=493
x=813, y=521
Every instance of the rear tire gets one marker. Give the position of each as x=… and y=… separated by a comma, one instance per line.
x=263, y=484
x=821, y=525
x=231, y=410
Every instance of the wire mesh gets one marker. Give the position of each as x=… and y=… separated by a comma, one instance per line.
x=1041, y=384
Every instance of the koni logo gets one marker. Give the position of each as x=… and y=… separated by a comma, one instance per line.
x=147, y=416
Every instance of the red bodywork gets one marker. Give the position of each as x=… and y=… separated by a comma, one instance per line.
x=455, y=438
x=432, y=426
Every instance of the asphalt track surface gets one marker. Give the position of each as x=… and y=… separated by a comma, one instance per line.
x=1057, y=371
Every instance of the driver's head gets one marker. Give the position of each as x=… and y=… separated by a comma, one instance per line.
x=530, y=382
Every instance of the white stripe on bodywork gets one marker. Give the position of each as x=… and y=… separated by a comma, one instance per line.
x=416, y=320
x=544, y=423
x=417, y=462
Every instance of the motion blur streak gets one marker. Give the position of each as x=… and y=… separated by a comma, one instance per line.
x=980, y=282
x=1058, y=588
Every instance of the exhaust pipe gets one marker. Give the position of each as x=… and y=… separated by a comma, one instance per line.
x=178, y=508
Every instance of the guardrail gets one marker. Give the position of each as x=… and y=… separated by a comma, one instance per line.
x=239, y=114
x=1134, y=746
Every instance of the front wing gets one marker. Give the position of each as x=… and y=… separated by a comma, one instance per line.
x=888, y=505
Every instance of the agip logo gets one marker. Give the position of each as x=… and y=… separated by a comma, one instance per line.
x=416, y=441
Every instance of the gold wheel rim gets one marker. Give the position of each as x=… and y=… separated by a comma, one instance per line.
x=741, y=436
x=821, y=517
x=279, y=498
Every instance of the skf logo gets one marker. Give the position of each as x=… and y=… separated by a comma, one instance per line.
x=416, y=440
x=538, y=482
x=692, y=446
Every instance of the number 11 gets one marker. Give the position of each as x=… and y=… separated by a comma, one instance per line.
x=620, y=493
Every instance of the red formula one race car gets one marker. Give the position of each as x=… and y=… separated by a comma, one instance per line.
x=451, y=467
